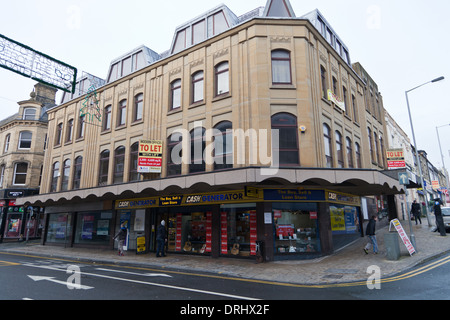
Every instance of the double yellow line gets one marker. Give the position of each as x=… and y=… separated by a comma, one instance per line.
x=407, y=275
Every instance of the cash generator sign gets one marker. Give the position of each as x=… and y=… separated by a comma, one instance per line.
x=178, y=200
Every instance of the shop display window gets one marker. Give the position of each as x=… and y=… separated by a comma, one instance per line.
x=296, y=228
x=93, y=228
x=59, y=228
x=13, y=225
x=345, y=224
x=189, y=230
x=238, y=229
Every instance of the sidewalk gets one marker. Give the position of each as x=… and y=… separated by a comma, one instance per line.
x=347, y=265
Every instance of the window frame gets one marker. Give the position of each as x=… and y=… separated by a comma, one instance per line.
x=16, y=173
x=23, y=140
x=103, y=177
x=277, y=67
x=294, y=126
x=197, y=83
x=222, y=76
x=175, y=94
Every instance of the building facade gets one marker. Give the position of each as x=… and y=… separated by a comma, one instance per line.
x=215, y=100
x=22, y=138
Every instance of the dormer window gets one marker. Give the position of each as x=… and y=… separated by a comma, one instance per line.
x=29, y=114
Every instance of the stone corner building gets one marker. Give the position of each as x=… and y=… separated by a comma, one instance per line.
x=265, y=70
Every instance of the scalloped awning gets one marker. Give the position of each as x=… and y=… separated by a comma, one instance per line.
x=359, y=182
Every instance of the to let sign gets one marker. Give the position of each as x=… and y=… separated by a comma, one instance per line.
x=150, y=156
x=395, y=159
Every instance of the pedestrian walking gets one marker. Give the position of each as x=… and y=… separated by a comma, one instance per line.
x=438, y=214
x=121, y=235
x=416, y=212
x=370, y=232
x=161, y=239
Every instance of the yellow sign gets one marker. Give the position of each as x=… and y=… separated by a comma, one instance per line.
x=150, y=156
x=335, y=99
x=140, y=241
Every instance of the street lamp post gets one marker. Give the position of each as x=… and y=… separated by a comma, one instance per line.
x=417, y=154
x=442, y=156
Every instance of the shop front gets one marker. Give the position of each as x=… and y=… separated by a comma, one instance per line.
x=292, y=223
x=19, y=222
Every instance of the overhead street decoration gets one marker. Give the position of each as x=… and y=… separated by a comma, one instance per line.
x=30, y=63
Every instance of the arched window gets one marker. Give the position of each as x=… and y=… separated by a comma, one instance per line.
x=281, y=67
x=288, y=151
x=134, y=158
x=222, y=79
x=358, y=155
x=104, y=168
x=339, y=150
x=175, y=97
x=223, y=145
x=65, y=175
x=55, y=176
x=349, y=147
x=119, y=164
x=328, y=146
x=174, y=154
x=198, y=145
x=77, y=173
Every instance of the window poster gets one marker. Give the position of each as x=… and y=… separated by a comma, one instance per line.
x=208, y=231
x=88, y=227
x=253, y=233
x=224, y=233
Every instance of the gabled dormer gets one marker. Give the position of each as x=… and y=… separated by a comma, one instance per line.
x=279, y=9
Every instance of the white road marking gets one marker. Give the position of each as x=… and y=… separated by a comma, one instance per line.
x=137, y=274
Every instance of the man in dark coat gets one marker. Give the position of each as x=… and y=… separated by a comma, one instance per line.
x=161, y=238
x=370, y=232
x=438, y=214
x=415, y=210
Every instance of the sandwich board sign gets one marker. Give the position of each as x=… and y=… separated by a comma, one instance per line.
x=401, y=232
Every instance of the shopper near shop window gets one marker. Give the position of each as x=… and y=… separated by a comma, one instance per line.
x=121, y=235
x=370, y=232
x=161, y=239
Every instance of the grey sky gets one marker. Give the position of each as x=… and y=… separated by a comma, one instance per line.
x=401, y=43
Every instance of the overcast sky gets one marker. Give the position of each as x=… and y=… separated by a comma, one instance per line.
x=401, y=44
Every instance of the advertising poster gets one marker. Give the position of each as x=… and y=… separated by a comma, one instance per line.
x=150, y=156
x=88, y=228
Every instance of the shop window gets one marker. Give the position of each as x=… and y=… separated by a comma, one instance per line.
x=288, y=150
x=345, y=224
x=223, y=146
x=281, y=67
x=14, y=222
x=59, y=228
x=296, y=228
x=238, y=229
x=93, y=228
x=189, y=230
